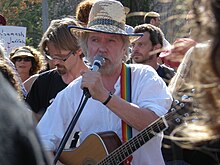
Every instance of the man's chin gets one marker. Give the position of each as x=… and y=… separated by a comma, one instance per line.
x=137, y=60
x=61, y=72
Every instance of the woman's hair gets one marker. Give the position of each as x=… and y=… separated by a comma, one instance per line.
x=38, y=61
x=203, y=77
x=9, y=74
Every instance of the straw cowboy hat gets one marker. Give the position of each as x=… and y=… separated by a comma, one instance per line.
x=106, y=16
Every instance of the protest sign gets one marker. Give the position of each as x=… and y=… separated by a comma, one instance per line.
x=12, y=37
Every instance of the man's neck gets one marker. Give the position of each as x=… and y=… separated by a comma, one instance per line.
x=110, y=80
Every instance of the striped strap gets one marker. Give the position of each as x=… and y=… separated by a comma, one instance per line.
x=126, y=95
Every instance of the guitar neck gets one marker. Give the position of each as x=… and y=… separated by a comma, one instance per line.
x=126, y=149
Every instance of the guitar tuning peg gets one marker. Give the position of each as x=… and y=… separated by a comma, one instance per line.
x=186, y=115
x=182, y=105
x=176, y=102
x=178, y=120
x=172, y=109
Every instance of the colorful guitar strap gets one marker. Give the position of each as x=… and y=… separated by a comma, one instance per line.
x=126, y=95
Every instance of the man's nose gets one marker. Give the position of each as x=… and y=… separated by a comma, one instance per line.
x=55, y=62
x=102, y=48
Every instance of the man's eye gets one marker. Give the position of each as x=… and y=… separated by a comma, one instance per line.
x=111, y=40
x=95, y=40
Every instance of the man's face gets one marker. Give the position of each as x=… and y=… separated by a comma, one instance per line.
x=109, y=46
x=141, y=49
x=61, y=59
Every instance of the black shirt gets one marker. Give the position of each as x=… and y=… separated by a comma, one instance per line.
x=165, y=72
x=44, y=90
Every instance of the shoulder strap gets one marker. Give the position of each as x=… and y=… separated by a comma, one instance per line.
x=126, y=95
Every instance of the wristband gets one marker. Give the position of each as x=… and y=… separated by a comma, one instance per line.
x=108, y=99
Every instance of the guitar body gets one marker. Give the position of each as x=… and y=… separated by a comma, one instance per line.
x=105, y=148
x=93, y=149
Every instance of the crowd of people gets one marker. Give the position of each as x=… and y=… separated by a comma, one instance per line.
x=92, y=78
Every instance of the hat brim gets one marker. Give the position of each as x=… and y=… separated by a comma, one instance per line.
x=20, y=54
x=103, y=29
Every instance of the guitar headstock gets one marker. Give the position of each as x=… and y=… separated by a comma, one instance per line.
x=180, y=110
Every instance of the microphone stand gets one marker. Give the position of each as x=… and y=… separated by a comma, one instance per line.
x=97, y=63
x=71, y=126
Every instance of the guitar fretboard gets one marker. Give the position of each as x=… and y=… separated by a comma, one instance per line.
x=126, y=149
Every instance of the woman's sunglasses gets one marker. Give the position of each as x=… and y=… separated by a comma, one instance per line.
x=26, y=59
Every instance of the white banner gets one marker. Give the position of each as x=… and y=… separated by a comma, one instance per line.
x=12, y=37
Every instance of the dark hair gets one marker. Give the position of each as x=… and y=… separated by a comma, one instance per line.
x=2, y=20
x=148, y=19
x=59, y=34
x=83, y=10
x=156, y=35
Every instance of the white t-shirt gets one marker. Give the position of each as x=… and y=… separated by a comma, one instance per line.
x=148, y=91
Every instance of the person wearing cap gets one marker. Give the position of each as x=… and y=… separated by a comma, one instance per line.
x=28, y=61
x=153, y=18
x=173, y=56
x=2, y=20
x=146, y=50
x=105, y=41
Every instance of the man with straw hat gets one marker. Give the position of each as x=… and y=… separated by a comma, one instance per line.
x=124, y=98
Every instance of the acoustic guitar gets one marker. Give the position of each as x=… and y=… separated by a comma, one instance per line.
x=105, y=148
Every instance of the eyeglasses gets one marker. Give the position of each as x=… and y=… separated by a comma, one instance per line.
x=26, y=59
x=59, y=58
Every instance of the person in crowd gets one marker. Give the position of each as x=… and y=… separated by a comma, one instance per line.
x=172, y=57
x=107, y=108
x=147, y=48
x=82, y=15
x=11, y=65
x=3, y=21
x=82, y=11
x=153, y=18
x=19, y=141
x=199, y=71
x=28, y=61
x=61, y=47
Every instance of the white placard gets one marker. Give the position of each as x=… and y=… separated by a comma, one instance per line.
x=12, y=37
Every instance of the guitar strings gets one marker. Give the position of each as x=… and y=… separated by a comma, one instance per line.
x=118, y=155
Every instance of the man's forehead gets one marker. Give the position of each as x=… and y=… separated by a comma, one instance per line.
x=145, y=37
x=104, y=35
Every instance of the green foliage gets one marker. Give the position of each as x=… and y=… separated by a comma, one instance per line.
x=27, y=14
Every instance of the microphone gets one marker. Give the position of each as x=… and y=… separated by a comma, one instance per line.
x=97, y=63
